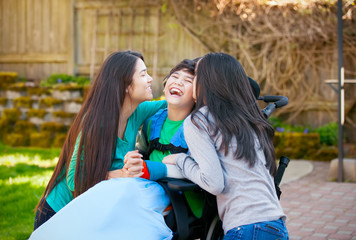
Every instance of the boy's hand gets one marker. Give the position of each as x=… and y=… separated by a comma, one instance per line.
x=170, y=159
x=133, y=163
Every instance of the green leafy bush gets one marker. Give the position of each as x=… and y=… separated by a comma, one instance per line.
x=280, y=126
x=328, y=134
x=57, y=79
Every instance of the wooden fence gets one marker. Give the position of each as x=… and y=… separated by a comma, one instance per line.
x=36, y=37
x=41, y=37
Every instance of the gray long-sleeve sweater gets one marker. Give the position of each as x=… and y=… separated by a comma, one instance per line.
x=244, y=195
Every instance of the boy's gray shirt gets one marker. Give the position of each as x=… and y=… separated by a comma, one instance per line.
x=244, y=195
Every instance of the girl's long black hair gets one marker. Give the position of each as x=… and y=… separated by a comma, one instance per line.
x=97, y=125
x=223, y=86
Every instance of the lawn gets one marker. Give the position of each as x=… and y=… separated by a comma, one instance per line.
x=24, y=173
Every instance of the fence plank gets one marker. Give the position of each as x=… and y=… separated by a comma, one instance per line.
x=33, y=58
x=21, y=33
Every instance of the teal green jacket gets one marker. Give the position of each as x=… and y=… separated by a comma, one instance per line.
x=61, y=194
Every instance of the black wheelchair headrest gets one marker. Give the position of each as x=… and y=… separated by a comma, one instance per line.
x=255, y=87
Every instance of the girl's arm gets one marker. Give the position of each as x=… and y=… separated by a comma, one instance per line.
x=149, y=108
x=73, y=162
x=202, y=165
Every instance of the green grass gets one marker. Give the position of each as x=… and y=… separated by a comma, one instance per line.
x=24, y=173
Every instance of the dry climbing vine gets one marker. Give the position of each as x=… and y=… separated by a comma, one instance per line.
x=289, y=48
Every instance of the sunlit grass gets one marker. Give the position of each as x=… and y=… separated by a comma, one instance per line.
x=24, y=173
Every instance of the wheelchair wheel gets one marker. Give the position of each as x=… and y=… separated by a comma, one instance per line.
x=215, y=231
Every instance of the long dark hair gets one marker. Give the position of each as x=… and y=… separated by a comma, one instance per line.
x=97, y=125
x=223, y=86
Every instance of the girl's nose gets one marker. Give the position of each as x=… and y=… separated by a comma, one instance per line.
x=149, y=78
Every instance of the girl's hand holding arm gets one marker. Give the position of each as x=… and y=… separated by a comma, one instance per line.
x=132, y=168
x=170, y=159
x=133, y=163
x=172, y=170
x=121, y=173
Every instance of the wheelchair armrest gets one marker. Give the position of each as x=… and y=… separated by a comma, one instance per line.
x=181, y=184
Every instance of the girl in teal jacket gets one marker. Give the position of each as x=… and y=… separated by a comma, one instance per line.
x=106, y=127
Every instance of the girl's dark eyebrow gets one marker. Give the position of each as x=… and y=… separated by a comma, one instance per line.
x=143, y=70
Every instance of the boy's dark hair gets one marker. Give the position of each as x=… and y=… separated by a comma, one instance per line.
x=187, y=64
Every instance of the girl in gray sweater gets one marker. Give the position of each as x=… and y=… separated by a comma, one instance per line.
x=231, y=151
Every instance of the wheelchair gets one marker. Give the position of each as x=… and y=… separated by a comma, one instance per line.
x=184, y=224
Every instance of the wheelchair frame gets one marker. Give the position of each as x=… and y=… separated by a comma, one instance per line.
x=183, y=222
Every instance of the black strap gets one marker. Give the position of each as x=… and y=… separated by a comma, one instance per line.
x=156, y=145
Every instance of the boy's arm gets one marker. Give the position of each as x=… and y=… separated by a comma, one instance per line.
x=173, y=171
x=154, y=170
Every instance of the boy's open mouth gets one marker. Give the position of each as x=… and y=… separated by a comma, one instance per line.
x=175, y=91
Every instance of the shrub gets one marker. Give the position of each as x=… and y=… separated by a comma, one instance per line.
x=57, y=79
x=63, y=114
x=11, y=115
x=42, y=139
x=5, y=127
x=49, y=102
x=78, y=100
x=70, y=87
x=53, y=127
x=296, y=145
x=328, y=134
x=3, y=101
x=16, y=139
x=8, y=77
x=37, y=91
x=86, y=90
x=40, y=113
x=280, y=126
x=25, y=102
x=59, y=140
x=18, y=87
x=326, y=153
x=24, y=127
